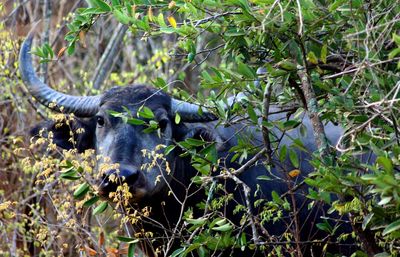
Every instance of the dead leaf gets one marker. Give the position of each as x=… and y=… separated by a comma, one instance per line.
x=90, y=251
x=112, y=250
x=101, y=239
x=294, y=173
x=82, y=38
x=61, y=52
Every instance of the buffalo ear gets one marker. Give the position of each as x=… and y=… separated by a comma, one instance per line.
x=83, y=131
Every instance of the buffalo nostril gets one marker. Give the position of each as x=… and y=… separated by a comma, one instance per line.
x=107, y=185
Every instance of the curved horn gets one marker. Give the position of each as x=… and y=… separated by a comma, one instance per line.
x=82, y=106
x=190, y=112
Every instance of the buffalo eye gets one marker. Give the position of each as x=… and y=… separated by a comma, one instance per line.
x=100, y=121
x=162, y=124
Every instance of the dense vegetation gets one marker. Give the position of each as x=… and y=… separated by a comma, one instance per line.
x=337, y=60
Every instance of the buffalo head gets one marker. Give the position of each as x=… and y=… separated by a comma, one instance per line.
x=122, y=145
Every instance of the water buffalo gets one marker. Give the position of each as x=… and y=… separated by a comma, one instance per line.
x=124, y=143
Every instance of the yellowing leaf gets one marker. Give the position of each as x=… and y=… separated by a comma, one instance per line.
x=294, y=173
x=5, y=205
x=171, y=4
x=172, y=21
x=311, y=57
x=150, y=14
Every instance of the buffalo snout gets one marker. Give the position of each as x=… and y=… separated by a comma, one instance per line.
x=115, y=177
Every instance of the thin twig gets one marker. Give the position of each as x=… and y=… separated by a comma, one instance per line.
x=300, y=33
x=249, y=162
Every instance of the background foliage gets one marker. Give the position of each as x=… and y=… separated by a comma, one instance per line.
x=347, y=52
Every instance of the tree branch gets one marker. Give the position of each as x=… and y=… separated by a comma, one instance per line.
x=107, y=60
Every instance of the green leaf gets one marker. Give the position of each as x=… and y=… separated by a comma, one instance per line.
x=190, y=57
x=391, y=227
x=202, y=252
x=396, y=39
x=294, y=158
x=48, y=50
x=223, y=228
x=168, y=30
x=385, y=200
x=394, y=53
x=195, y=142
x=311, y=57
x=70, y=174
x=264, y=177
x=385, y=163
x=101, y=5
x=290, y=124
x=252, y=114
x=67, y=169
x=146, y=112
x=199, y=221
x=287, y=65
x=207, y=77
x=202, y=168
x=131, y=249
x=336, y=5
x=134, y=121
x=246, y=71
x=276, y=198
x=283, y=153
x=177, y=118
x=121, y=17
x=160, y=20
x=169, y=149
x=324, y=53
x=129, y=240
x=177, y=252
x=325, y=226
x=81, y=190
x=100, y=208
x=71, y=177
x=71, y=48
x=38, y=52
x=91, y=201
x=115, y=2
x=367, y=219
